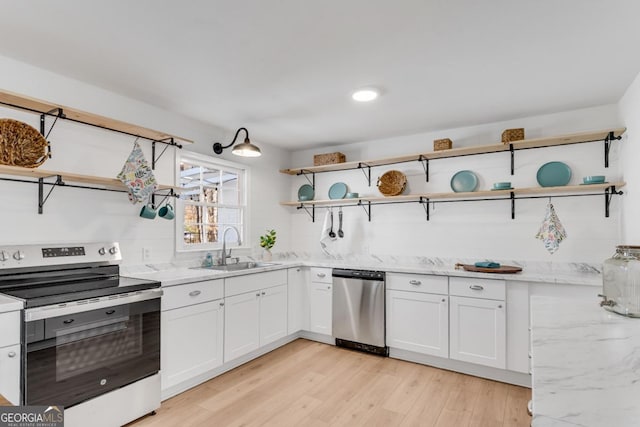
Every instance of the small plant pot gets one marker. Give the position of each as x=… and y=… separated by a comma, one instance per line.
x=267, y=255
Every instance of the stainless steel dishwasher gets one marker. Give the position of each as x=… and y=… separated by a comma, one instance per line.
x=359, y=310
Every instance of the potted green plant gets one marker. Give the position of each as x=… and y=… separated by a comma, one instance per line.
x=267, y=242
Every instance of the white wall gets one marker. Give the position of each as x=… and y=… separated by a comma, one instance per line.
x=630, y=116
x=79, y=215
x=474, y=230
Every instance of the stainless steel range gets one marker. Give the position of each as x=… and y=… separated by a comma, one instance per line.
x=90, y=337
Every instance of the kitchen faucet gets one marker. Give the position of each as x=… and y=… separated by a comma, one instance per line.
x=224, y=254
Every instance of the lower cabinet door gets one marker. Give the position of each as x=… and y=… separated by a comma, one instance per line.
x=478, y=331
x=241, y=325
x=418, y=322
x=273, y=314
x=320, y=308
x=192, y=339
x=10, y=373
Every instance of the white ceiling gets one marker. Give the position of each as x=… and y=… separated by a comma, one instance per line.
x=285, y=68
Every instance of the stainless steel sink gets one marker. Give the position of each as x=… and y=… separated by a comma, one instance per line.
x=240, y=266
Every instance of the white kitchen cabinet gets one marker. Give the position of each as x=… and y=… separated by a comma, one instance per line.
x=273, y=314
x=192, y=327
x=192, y=339
x=10, y=356
x=418, y=322
x=241, y=325
x=297, y=300
x=320, y=307
x=478, y=331
x=254, y=319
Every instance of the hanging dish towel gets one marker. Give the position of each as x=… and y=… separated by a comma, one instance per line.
x=551, y=231
x=325, y=239
x=137, y=175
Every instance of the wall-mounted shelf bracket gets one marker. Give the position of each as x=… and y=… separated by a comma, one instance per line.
x=169, y=142
x=367, y=208
x=170, y=193
x=424, y=201
x=306, y=174
x=312, y=214
x=608, y=194
x=511, y=150
x=512, y=196
x=55, y=112
x=42, y=199
x=367, y=174
x=425, y=166
x=607, y=146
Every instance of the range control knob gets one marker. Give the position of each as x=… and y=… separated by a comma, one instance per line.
x=113, y=250
x=102, y=251
x=18, y=255
x=4, y=255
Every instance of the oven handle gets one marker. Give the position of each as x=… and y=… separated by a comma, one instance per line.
x=46, y=312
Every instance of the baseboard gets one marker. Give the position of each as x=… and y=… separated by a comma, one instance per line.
x=488, y=372
x=314, y=336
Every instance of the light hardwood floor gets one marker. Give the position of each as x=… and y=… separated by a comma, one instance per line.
x=306, y=383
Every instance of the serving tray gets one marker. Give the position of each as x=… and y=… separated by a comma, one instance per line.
x=503, y=269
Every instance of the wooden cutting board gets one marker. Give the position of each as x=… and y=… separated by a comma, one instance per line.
x=503, y=269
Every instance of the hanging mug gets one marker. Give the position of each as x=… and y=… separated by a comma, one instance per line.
x=167, y=212
x=148, y=212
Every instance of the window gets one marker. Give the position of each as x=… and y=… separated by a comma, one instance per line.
x=213, y=198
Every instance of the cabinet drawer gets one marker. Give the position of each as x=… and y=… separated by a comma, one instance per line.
x=252, y=282
x=418, y=283
x=477, y=288
x=191, y=293
x=321, y=275
x=9, y=328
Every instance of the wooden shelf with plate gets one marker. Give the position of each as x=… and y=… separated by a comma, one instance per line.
x=606, y=135
x=606, y=190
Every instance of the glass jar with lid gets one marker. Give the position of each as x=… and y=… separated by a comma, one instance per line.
x=621, y=281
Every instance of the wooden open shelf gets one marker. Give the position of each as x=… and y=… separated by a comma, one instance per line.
x=22, y=102
x=573, y=138
x=542, y=191
x=72, y=178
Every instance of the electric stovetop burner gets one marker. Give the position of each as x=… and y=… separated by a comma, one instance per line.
x=45, y=275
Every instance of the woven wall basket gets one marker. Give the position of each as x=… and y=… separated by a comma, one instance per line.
x=392, y=183
x=21, y=144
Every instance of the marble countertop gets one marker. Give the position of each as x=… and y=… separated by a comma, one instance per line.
x=174, y=274
x=586, y=364
x=8, y=303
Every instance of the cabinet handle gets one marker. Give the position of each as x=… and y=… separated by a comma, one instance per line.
x=321, y=275
x=109, y=312
x=297, y=269
x=194, y=293
x=476, y=288
x=221, y=304
x=415, y=282
x=258, y=294
x=68, y=321
x=500, y=306
x=12, y=354
x=264, y=293
x=444, y=300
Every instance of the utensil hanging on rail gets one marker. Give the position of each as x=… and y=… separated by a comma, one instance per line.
x=340, y=232
x=331, y=233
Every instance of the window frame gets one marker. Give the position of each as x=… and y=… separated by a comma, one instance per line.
x=243, y=190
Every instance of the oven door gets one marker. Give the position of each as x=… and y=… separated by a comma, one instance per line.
x=78, y=351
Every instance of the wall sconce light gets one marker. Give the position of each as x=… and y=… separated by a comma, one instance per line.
x=246, y=149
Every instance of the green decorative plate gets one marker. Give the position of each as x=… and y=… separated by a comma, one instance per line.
x=554, y=174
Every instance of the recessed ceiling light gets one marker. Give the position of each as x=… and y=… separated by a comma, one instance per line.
x=366, y=94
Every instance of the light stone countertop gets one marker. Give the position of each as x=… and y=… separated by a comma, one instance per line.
x=175, y=274
x=8, y=303
x=586, y=364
